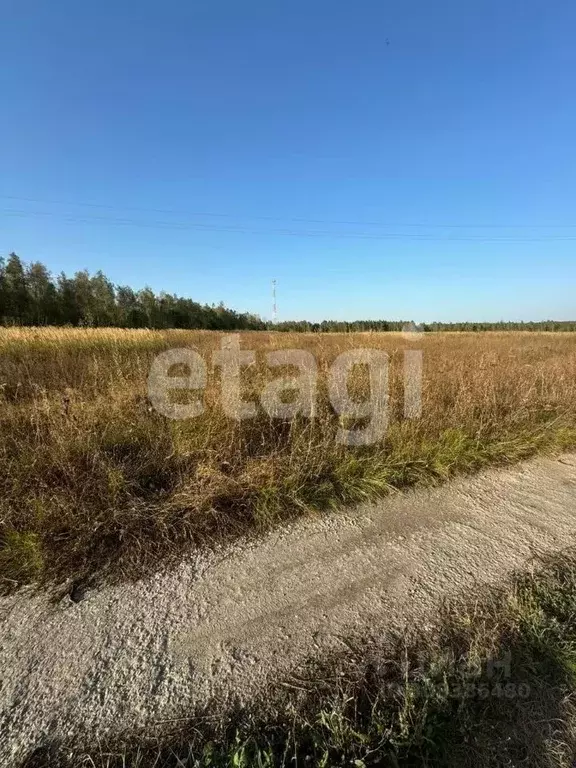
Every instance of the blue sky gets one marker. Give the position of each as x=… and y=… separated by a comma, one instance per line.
x=401, y=160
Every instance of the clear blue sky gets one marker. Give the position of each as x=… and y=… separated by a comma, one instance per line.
x=420, y=123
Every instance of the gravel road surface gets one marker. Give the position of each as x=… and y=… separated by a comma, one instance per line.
x=224, y=623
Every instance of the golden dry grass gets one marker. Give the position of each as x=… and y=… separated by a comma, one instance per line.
x=93, y=480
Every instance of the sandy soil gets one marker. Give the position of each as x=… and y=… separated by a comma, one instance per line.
x=222, y=623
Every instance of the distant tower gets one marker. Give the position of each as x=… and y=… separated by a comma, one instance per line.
x=274, y=307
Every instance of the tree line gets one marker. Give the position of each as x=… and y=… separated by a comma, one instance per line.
x=363, y=326
x=29, y=295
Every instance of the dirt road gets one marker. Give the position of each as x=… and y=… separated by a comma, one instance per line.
x=222, y=623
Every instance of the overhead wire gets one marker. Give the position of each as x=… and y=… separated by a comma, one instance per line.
x=239, y=229
x=337, y=222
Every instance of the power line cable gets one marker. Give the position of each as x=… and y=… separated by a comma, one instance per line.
x=199, y=227
x=419, y=225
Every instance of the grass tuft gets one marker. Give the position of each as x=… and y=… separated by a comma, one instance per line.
x=21, y=556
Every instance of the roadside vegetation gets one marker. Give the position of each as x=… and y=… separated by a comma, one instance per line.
x=94, y=481
x=494, y=684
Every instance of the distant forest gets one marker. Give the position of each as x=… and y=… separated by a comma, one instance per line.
x=29, y=295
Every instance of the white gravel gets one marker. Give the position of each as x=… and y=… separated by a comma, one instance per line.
x=223, y=623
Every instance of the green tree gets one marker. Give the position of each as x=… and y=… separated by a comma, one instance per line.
x=82, y=286
x=68, y=310
x=129, y=311
x=43, y=299
x=103, y=300
x=150, y=308
x=16, y=291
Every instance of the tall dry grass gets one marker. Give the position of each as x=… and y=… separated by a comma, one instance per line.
x=93, y=480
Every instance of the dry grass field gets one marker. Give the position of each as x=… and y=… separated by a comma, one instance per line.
x=93, y=480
